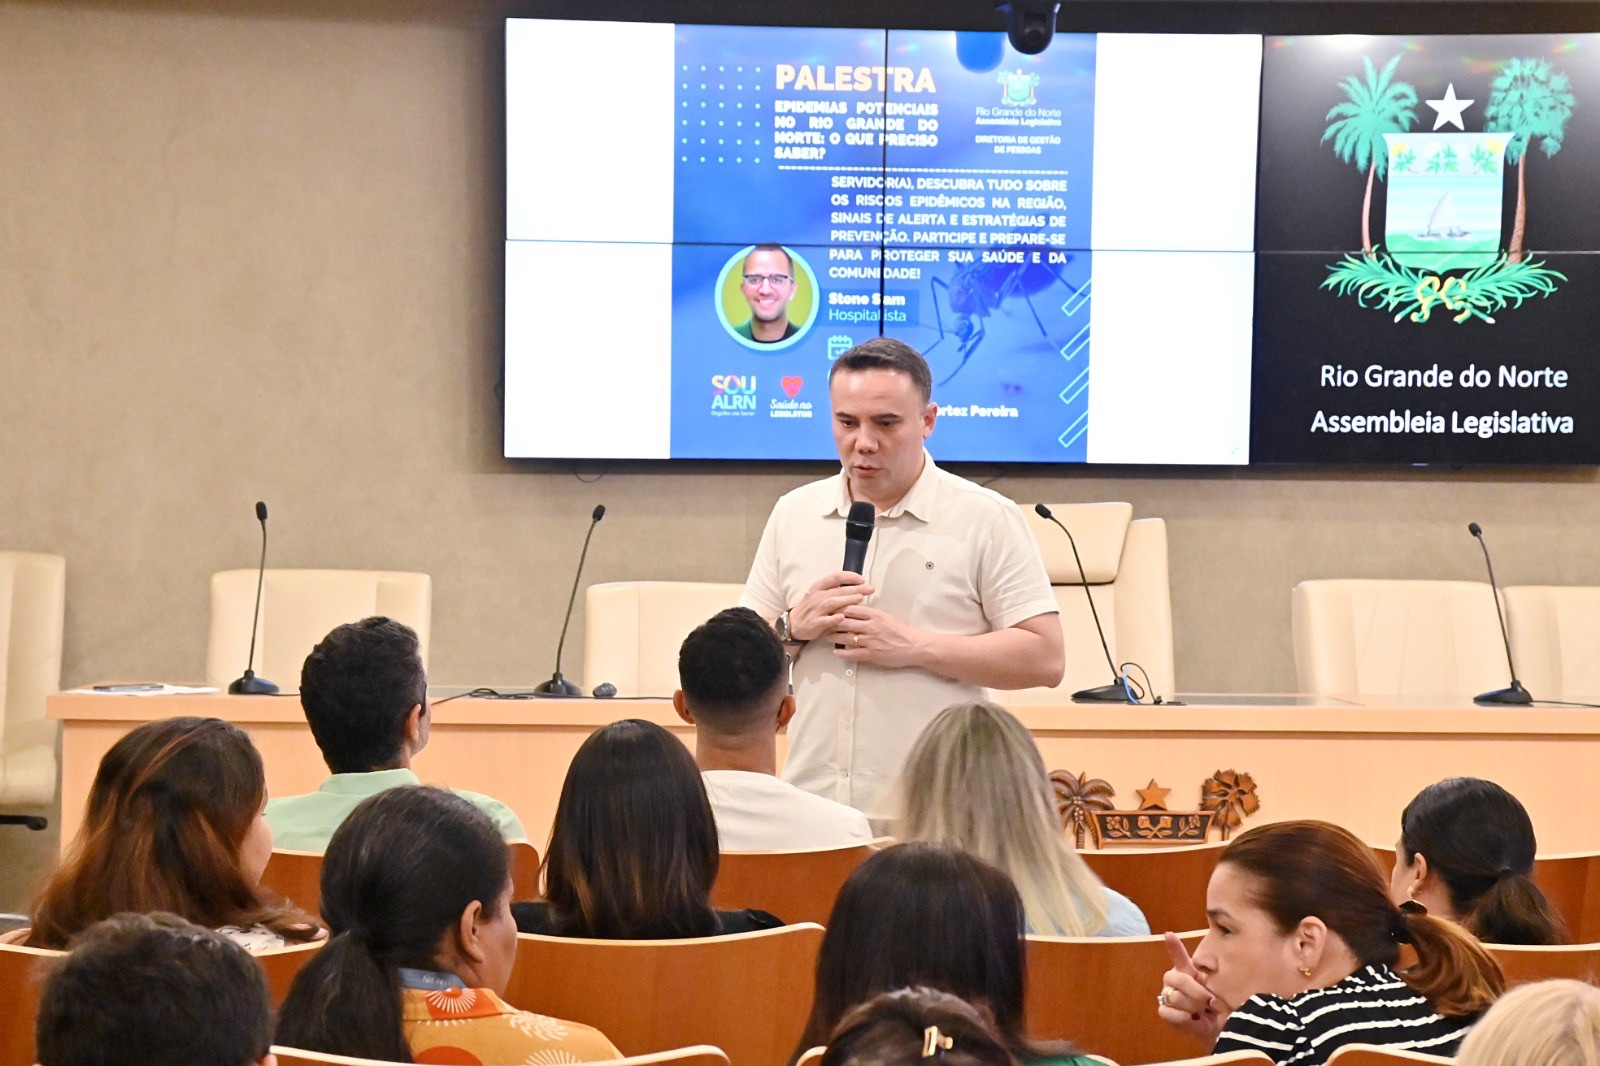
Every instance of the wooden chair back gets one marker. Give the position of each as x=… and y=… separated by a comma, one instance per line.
x=1572, y=885
x=282, y=964
x=684, y=1056
x=1100, y=993
x=1373, y=1055
x=749, y=994
x=1168, y=884
x=1523, y=963
x=797, y=886
x=1231, y=1058
x=20, y=973
x=297, y=875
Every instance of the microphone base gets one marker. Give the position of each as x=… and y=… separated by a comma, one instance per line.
x=1515, y=696
x=558, y=686
x=251, y=685
x=1112, y=693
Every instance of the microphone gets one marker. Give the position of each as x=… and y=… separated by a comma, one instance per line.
x=1516, y=695
x=1116, y=692
x=857, y=532
x=250, y=684
x=558, y=685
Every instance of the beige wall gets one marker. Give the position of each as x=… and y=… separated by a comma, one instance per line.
x=255, y=254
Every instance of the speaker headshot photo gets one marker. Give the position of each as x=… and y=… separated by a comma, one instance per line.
x=768, y=284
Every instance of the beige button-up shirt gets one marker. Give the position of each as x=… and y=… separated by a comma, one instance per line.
x=950, y=557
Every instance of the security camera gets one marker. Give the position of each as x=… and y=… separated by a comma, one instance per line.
x=1030, y=24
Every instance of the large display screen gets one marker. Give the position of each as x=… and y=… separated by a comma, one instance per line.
x=701, y=218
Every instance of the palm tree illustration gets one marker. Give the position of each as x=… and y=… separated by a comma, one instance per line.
x=1528, y=99
x=1078, y=796
x=1375, y=106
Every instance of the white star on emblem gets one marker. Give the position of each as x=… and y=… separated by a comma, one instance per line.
x=1449, y=109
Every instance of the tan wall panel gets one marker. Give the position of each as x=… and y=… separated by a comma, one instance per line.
x=252, y=250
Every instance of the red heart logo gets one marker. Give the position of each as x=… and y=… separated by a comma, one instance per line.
x=791, y=384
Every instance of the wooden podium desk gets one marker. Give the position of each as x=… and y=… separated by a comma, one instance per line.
x=1354, y=760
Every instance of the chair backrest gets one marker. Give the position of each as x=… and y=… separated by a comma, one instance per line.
x=1125, y=562
x=749, y=994
x=282, y=964
x=1231, y=1058
x=297, y=875
x=1554, y=633
x=20, y=973
x=1373, y=1055
x=797, y=886
x=1523, y=963
x=298, y=608
x=684, y=1056
x=1098, y=993
x=632, y=630
x=1168, y=884
x=1397, y=638
x=1572, y=885
x=32, y=610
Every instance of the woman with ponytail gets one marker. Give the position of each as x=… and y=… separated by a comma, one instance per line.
x=416, y=890
x=1299, y=956
x=1466, y=853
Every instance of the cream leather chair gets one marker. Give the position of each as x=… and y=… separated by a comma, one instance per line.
x=1125, y=562
x=632, y=630
x=298, y=608
x=1397, y=638
x=1555, y=637
x=32, y=611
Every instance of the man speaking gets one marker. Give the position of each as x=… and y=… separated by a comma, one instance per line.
x=954, y=597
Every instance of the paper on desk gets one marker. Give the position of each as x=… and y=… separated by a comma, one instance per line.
x=146, y=690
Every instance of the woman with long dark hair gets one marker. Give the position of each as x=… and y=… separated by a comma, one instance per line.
x=633, y=850
x=1300, y=955
x=1466, y=853
x=929, y=915
x=173, y=824
x=416, y=888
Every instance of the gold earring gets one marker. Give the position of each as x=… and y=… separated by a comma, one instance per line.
x=1305, y=971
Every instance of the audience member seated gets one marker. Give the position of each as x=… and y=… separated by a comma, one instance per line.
x=1466, y=853
x=365, y=695
x=927, y=914
x=735, y=693
x=915, y=1026
x=141, y=989
x=1546, y=1023
x=416, y=888
x=633, y=851
x=173, y=824
x=975, y=781
x=1297, y=961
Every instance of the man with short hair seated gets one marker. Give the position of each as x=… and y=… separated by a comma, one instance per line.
x=153, y=988
x=365, y=695
x=735, y=693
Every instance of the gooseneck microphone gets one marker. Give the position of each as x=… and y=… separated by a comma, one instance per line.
x=857, y=533
x=1116, y=692
x=558, y=685
x=250, y=684
x=1516, y=695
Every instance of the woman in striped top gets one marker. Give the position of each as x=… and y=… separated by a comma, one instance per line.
x=1299, y=954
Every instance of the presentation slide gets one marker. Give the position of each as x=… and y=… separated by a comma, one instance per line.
x=1066, y=237
x=1427, y=287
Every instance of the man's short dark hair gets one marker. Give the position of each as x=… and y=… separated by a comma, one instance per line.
x=745, y=265
x=145, y=988
x=886, y=353
x=731, y=669
x=357, y=687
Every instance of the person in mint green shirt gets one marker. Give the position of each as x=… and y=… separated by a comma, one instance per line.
x=365, y=695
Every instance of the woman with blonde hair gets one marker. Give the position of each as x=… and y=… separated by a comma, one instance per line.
x=975, y=781
x=1547, y=1023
